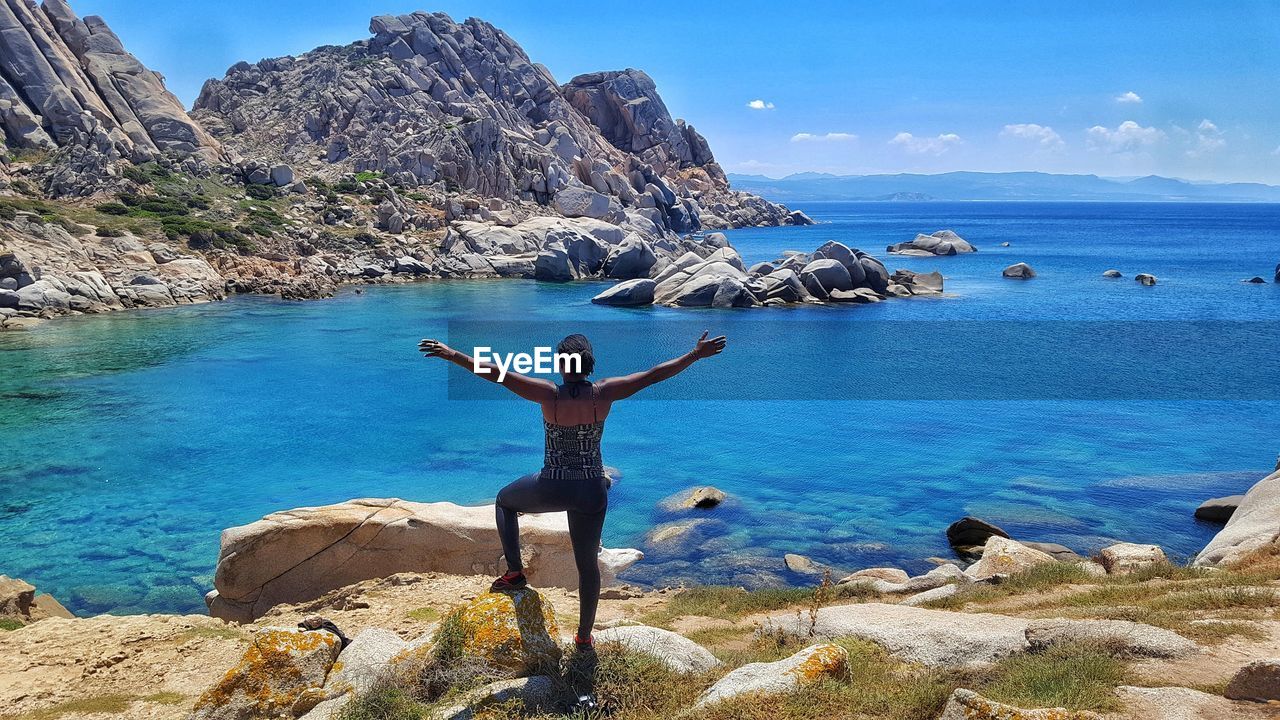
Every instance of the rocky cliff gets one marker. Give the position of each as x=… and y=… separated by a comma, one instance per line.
x=432, y=149
x=66, y=82
x=431, y=102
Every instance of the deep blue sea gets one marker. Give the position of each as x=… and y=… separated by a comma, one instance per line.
x=852, y=434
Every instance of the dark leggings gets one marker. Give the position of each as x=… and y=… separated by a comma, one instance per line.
x=585, y=501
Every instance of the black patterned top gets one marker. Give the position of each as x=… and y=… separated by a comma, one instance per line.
x=573, y=451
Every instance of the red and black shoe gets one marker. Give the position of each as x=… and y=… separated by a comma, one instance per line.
x=582, y=646
x=513, y=580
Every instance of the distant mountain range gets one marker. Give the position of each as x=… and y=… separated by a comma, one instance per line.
x=908, y=187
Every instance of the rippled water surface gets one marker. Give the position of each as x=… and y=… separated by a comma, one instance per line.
x=128, y=441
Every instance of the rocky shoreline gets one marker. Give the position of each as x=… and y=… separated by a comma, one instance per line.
x=393, y=627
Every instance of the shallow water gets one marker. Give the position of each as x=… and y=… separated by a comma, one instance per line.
x=128, y=441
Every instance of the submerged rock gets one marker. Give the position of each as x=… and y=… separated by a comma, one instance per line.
x=813, y=664
x=1112, y=274
x=801, y=564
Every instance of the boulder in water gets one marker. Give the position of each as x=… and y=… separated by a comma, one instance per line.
x=942, y=242
x=1112, y=274
x=1145, y=279
x=629, y=293
x=1256, y=281
x=1252, y=526
x=1019, y=271
x=969, y=534
x=1219, y=510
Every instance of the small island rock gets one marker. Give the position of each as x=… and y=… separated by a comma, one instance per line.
x=1112, y=274
x=1145, y=279
x=1019, y=271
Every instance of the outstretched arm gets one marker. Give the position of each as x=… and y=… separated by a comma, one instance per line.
x=535, y=389
x=617, y=388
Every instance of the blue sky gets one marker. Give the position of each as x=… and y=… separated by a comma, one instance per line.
x=1179, y=88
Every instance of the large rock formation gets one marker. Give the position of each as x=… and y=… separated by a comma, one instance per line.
x=301, y=554
x=1254, y=525
x=65, y=81
x=460, y=106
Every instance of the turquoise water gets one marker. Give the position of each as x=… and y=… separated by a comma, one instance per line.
x=128, y=441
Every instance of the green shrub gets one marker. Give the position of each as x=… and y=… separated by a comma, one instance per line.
x=367, y=176
x=7, y=212
x=260, y=192
x=1075, y=676
x=112, y=208
x=347, y=185
x=9, y=624
x=163, y=206
x=109, y=232
x=146, y=173
x=366, y=237
x=196, y=202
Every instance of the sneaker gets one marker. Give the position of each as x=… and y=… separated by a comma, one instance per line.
x=588, y=645
x=513, y=580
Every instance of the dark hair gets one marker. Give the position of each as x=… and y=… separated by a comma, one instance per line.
x=578, y=344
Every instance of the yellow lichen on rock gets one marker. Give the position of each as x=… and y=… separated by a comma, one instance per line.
x=281, y=667
x=823, y=661
x=513, y=630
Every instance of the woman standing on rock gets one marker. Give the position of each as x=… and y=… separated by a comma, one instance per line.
x=572, y=478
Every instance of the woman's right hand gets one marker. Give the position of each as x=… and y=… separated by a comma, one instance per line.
x=706, y=348
x=434, y=348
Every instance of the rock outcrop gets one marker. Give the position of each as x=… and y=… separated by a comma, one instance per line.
x=969, y=705
x=1002, y=556
x=939, y=638
x=430, y=102
x=675, y=651
x=1124, y=558
x=1255, y=524
x=301, y=554
x=514, y=630
x=1019, y=271
x=1258, y=681
x=834, y=273
x=282, y=674
x=942, y=242
x=69, y=82
x=19, y=603
x=810, y=665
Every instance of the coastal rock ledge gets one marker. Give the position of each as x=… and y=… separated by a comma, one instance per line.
x=298, y=555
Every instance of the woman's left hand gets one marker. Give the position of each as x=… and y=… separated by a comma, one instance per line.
x=434, y=348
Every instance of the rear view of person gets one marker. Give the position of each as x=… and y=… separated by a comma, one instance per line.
x=572, y=478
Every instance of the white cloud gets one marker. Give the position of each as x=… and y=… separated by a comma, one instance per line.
x=1209, y=139
x=1129, y=98
x=1129, y=137
x=1045, y=137
x=760, y=105
x=925, y=145
x=829, y=137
